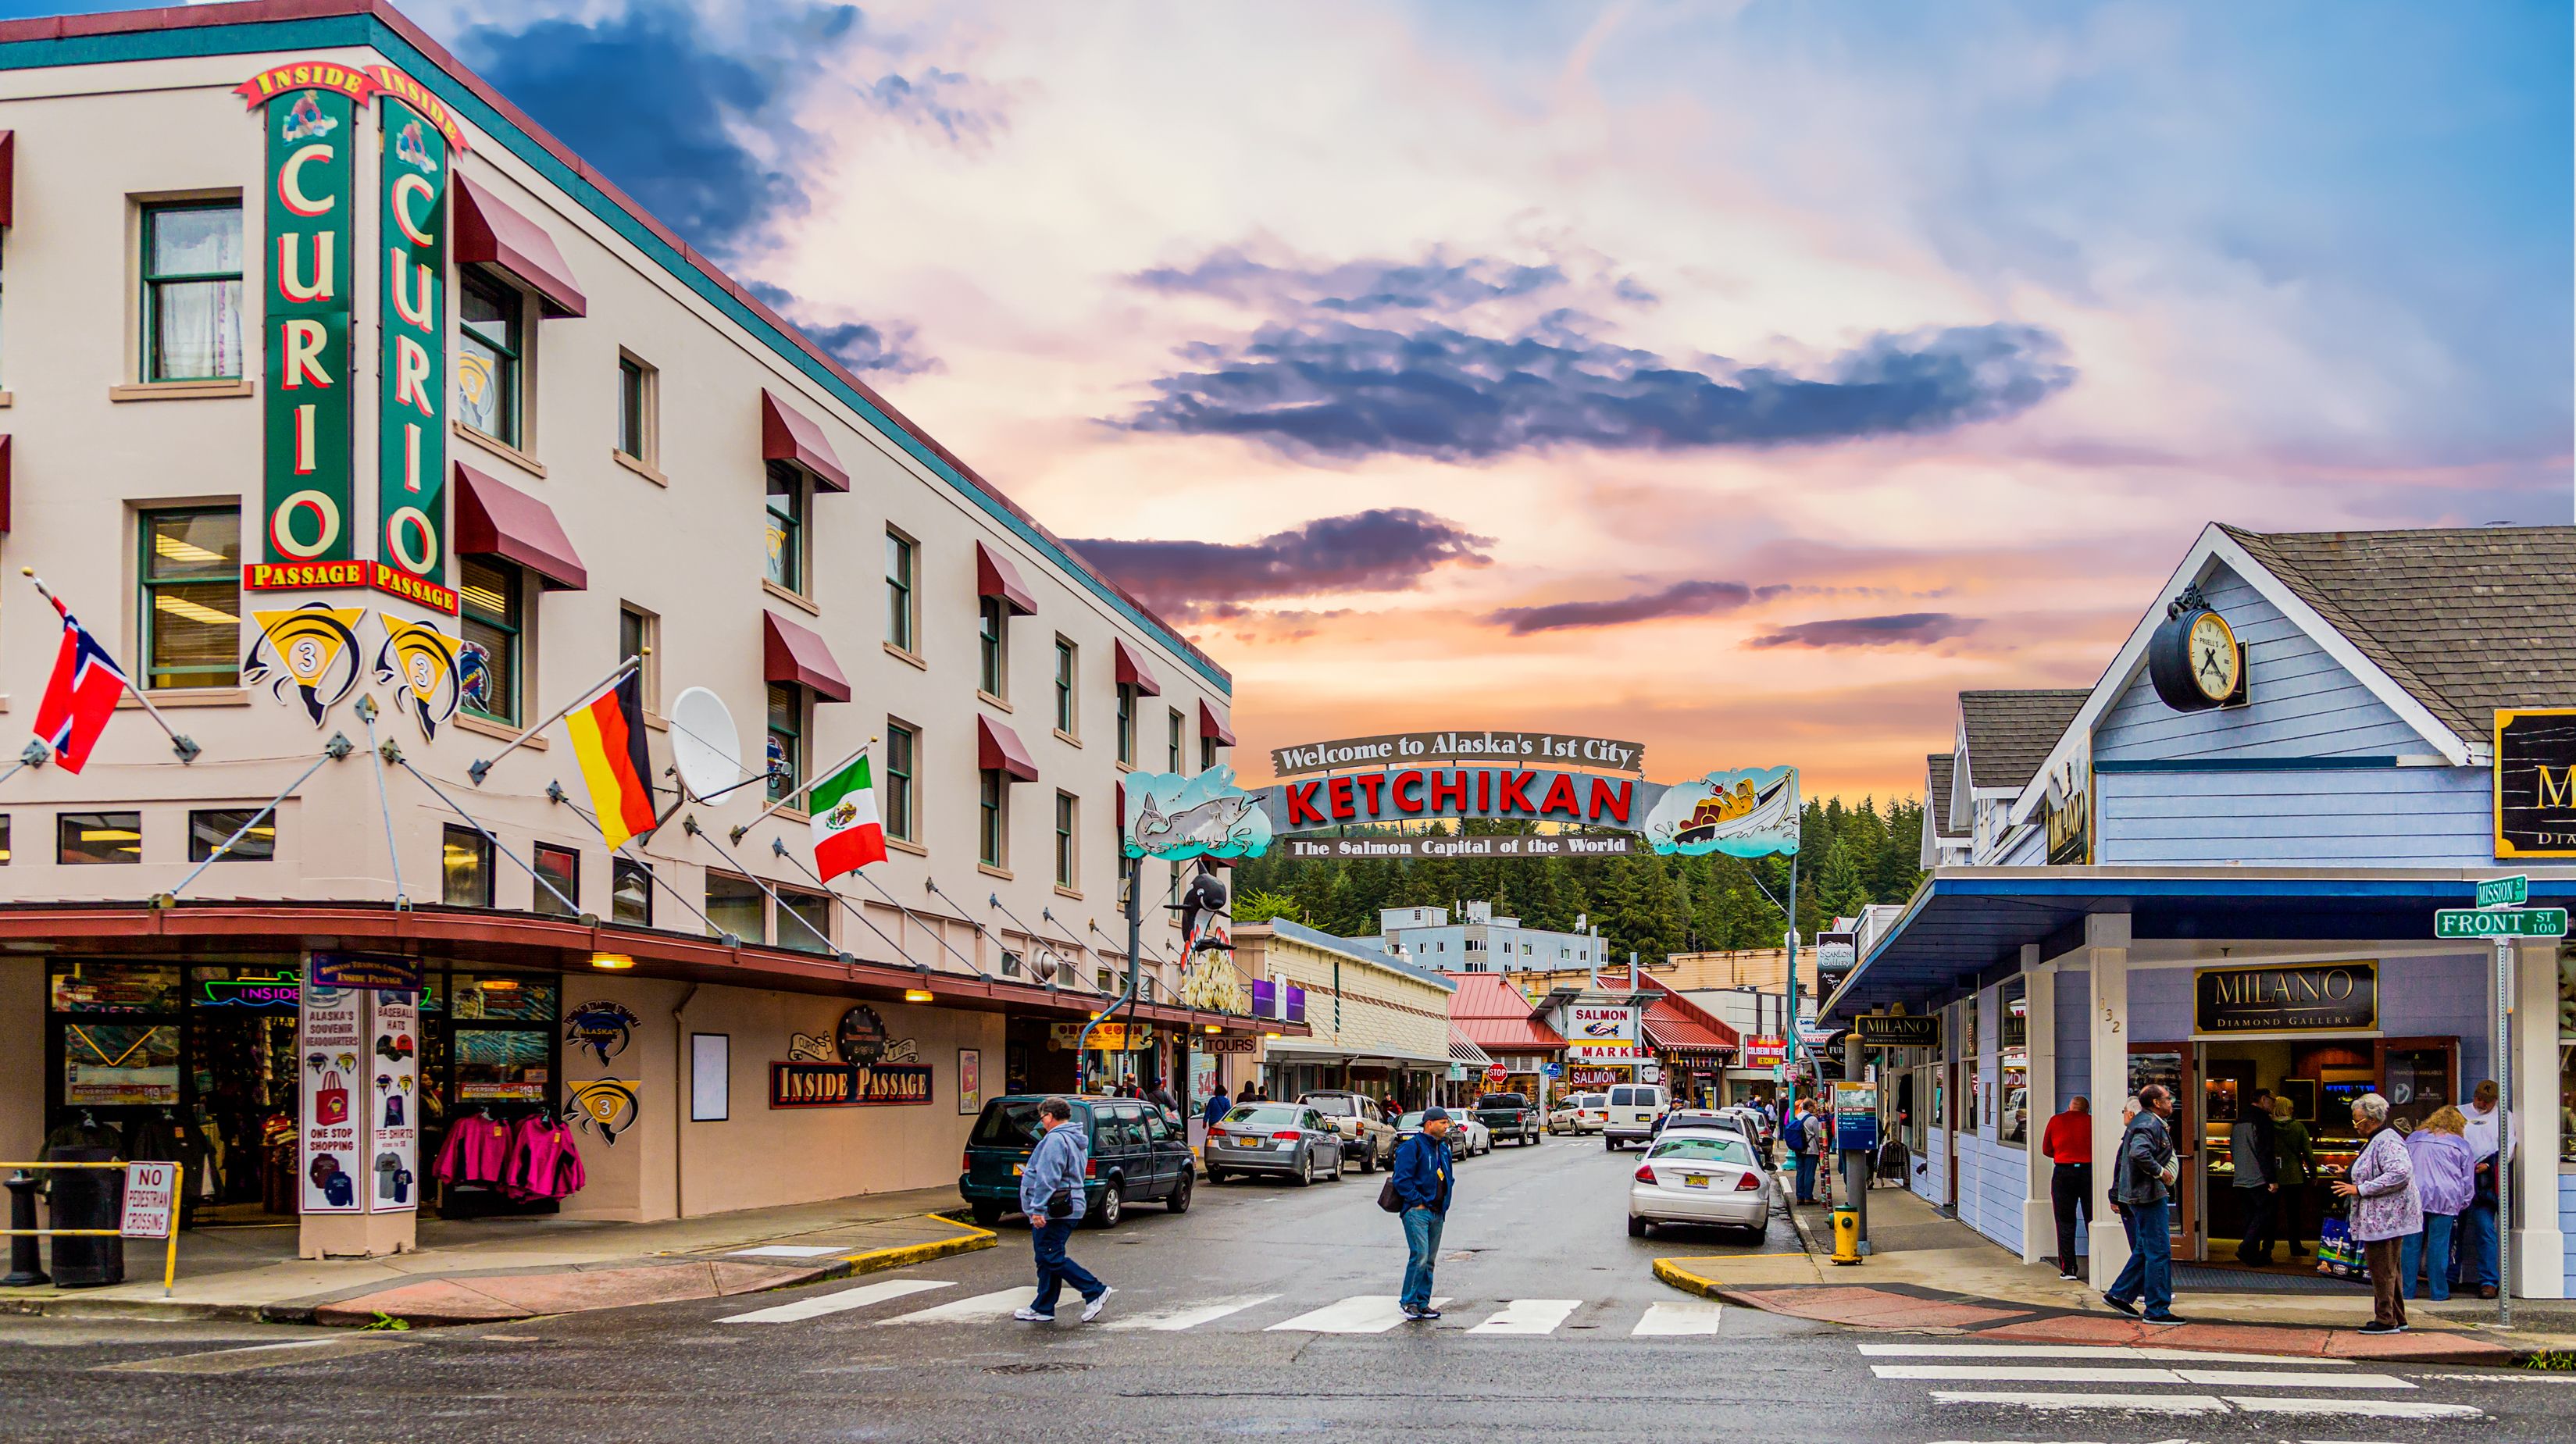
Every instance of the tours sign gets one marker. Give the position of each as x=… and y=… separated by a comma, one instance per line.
x=2289, y=998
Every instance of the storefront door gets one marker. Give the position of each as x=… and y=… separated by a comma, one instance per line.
x=2172, y=1065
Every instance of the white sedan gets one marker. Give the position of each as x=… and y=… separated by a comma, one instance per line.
x=1480, y=1138
x=1700, y=1176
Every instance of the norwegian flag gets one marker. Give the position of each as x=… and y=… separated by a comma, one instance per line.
x=82, y=695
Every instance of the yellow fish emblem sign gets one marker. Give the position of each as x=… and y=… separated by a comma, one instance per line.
x=423, y=660
x=612, y=1104
x=314, y=648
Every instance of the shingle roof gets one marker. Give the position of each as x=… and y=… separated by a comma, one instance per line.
x=1493, y=1014
x=1361, y=948
x=2010, y=733
x=1936, y=791
x=2466, y=619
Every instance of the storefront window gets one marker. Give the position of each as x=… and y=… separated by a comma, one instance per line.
x=502, y=1064
x=736, y=905
x=111, y=1064
x=507, y=998
x=816, y=910
x=2566, y=1055
x=1972, y=1056
x=2014, y=1050
x=116, y=988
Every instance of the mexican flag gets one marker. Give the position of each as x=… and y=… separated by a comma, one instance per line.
x=847, y=835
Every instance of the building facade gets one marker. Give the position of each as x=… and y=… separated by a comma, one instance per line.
x=1375, y=1022
x=1479, y=942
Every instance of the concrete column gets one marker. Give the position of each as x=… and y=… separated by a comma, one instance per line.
x=2539, y=1245
x=2106, y=953
x=2038, y=1221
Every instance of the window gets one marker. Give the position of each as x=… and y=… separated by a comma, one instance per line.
x=992, y=642
x=85, y=837
x=2015, y=1061
x=899, y=591
x=490, y=342
x=1068, y=812
x=491, y=621
x=630, y=892
x=560, y=869
x=637, y=395
x=734, y=905
x=1066, y=714
x=896, y=797
x=786, y=739
x=1010, y=963
x=465, y=868
x=786, y=519
x=1127, y=723
x=639, y=634
x=192, y=291
x=208, y=827
x=191, y=604
x=4, y=840
x=1173, y=743
x=1207, y=753
x=815, y=909
x=992, y=819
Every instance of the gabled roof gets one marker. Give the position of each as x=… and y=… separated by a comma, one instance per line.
x=1493, y=1014
x=1936, y=791
x=2009, y=734
x=1359, y=948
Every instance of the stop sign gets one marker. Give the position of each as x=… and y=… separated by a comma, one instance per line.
x=1496, y=1074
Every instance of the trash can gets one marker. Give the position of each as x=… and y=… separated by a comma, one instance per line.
x=86, y=1198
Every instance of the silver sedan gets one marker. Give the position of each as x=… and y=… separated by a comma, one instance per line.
x=1281, y=1138
x=1700, y=1176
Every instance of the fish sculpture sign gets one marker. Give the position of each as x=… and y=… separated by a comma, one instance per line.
x=1174, y=817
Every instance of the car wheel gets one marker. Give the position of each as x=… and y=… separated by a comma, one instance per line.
x=1179, y=1202
x=1112, y=1207
x=1305, y=1170
x=1609, y=1144
x=987, y=1214
x=1638, y=1227
x=1216, y=1176
x=1368, y=1160
x=1339, y=1164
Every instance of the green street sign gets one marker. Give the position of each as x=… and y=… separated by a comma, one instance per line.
x=2504, y=892
x=2500, y=923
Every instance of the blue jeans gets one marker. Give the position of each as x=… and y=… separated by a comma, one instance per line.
x=1422, y=1250
x=1055, y=1270
x=1806, y=1177
x=2430, y=1249
x=2149, y=1271
x=2476, y=1264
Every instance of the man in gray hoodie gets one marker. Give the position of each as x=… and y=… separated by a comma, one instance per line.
x=1051, y=1194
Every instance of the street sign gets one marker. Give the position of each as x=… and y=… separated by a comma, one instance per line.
x=2500, y=923
x=1553, y=1070
x=1496, y=1074
x=151, y=1196
x=1649, y=1073
x=2504, y=892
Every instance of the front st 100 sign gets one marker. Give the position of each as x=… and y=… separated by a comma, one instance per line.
x=2500, y=923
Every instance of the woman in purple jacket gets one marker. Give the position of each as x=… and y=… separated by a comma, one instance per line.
x=2385, y=1210
x=2446, y=1181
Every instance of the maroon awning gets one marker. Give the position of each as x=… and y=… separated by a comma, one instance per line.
x=1211, y=725
x=790, y=653
x=8, y=177
x=490, y=233
x=997, y=747
x=495, y=519
x=787, y=434
x=996, y=577
x=1132, y=671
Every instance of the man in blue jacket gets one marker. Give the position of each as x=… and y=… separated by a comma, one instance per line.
x=1422, y=1167
x=1051, y=1194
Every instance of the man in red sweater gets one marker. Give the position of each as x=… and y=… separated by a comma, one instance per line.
x=2068, y=1143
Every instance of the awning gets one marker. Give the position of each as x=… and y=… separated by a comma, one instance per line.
x=490, y=233
x=790, y=653
x=8, y=177
x=1463, y=1049
x=996, y=577
x=1132, y=671
x=787, y=434
x=496, y=519
x=997, y=748
x=1308, y=1050
x=1210, y=725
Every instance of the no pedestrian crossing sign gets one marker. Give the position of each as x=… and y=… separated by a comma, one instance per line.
x=2504, y=892
x=2500, y=923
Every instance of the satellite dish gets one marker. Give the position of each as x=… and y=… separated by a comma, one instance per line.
x=705, y=749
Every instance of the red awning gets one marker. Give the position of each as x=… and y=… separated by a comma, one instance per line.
x=996, y=577
x=1211, y=725
x=787, y=434
x=997, y=747
x=495, y=519
x=490, y=233
x=1132, y=671
x=8, y=177
x=790, y=653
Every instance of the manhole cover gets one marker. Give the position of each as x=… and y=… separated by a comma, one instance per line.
x=1039, y=1368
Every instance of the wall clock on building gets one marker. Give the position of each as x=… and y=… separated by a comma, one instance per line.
x=2194, y=659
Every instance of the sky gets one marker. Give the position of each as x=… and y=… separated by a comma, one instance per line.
x=1741, y=379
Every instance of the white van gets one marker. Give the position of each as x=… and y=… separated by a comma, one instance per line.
x=1635, y=1108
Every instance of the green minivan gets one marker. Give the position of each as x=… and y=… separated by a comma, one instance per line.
x=1137, y=1155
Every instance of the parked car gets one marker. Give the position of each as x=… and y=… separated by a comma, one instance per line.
x=1409, y=1124
x=1700, y=1176
x=1726, y=1119
x=1359, y=1121
x=1292, y=1139
x=1510, y=1115
x=1137, y=1156
x=1634, y=1109
x=1591, y=1110
x=1567, y=1115
x=1477, y=1138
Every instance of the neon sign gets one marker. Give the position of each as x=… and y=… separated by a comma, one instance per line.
x=279, y=991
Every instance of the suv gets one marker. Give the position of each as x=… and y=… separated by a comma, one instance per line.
x=1136, y=1154
x=1511, y=1116
x=1635, y=1110
x=1367, y=1139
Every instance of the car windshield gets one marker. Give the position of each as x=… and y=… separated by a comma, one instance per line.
x=1702, y=1148
x=1337, y=1107
x=1593, y=1100
x=1503, y=1100
x=1266, y=1115
x=1409, y=1120
x=1007, y=1123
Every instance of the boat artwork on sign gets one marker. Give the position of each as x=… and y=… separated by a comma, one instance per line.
x=1749, y=812
x=1173, y=817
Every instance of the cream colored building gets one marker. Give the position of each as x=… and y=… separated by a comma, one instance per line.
x=1377, y=1023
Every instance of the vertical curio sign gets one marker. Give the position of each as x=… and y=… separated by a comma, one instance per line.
x=310, y=110
x=412, y=414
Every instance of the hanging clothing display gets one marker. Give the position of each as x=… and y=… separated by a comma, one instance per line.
x=543, y=1162
x=477, y=1147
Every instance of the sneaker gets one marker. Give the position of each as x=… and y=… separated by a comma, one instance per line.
x=2376, y=1327
x=2124, y=1306
x=2486, y=1291
x=1426, y=1313
x=2166, y=1319
x=1032, y=1316
x=1092, y=1306
x=2066, y=1276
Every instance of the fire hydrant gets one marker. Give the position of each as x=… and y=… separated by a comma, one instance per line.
x=1847, y=1235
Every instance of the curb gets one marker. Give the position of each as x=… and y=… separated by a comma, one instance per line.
x=973, y=1240
x=1671, y=1272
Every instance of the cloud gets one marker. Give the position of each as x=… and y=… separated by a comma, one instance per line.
x=1905, y=629
x=890, y=349
x=1434, y=283
x=1682, y=599
x=1371, y=551
x=1341, y=390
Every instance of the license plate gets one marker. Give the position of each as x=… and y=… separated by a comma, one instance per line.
x=1694, y=1180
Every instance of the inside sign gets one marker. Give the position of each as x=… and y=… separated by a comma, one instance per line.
x=151, y=1196
x=2504, y=892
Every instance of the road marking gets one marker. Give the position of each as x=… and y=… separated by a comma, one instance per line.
x=2135, y=1403
x=788, y=1250
x=2084, y=1351
x=1529, y=1316
x=1364, y=1314
x=999, y=1304
x=1679, y=1318
x=2499, y=1377
x=833, y=1303
x=2289, y=1379
x=1192, y=1315
x=2365, y=1408
x=260, y=1356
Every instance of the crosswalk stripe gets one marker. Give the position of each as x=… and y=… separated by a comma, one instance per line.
x=2083, y=1351
x=1529, y=1316
x=2364, y=1408
x=2138, y=1403
x=1679, y=1318
x=1364, y=1314
x=2023, y=1374
x=999, y=1304
x=1192, y=1315
x=833, y=1303
x=2289, y=1379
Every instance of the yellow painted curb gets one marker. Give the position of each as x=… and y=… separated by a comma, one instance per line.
x=1689, y=1281
x=969, y=1239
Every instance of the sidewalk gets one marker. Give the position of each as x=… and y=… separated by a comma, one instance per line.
x=489, y=1270
x=1928, y=1273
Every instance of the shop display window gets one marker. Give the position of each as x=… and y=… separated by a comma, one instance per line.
x=2566, y=1055
x=116, y=1064
x=508, y=997
x=2014, y=1047
x=502, y=1064
x=246, y=987
x=115, y=988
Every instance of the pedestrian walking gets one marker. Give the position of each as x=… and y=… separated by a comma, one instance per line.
x=2142, y=1187
x=2295, y=1154
x=1218, y=1105
x=1051, y=1194
x=1160, y=1095
x=1820, y=1147
x=2067, y=1143
x=2385, y=1209
x=2491, y=1143
x=2249, y=1153
x=1421, y=1182
x=1795, y=1135
x=2445, y=1183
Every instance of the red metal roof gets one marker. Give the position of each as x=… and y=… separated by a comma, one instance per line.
x=1493, y=1014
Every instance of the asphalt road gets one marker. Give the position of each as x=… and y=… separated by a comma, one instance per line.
x=1265, y=1310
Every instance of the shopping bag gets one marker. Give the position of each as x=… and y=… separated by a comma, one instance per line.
x=330, y=1101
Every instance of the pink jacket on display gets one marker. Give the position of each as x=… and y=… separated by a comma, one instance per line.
x=476, y=1149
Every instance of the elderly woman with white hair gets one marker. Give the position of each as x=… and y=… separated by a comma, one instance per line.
x=2386, y=1210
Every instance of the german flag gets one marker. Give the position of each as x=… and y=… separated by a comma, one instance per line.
x=608, y=742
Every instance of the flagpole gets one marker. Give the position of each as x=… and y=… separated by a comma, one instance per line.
x=689, y=825
x=332, y=751
x=571, y=908
x=778, y=845
x=588, y=696
x=801, y=789
x=555, y=793
x=186, y=747
x=35, y=754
